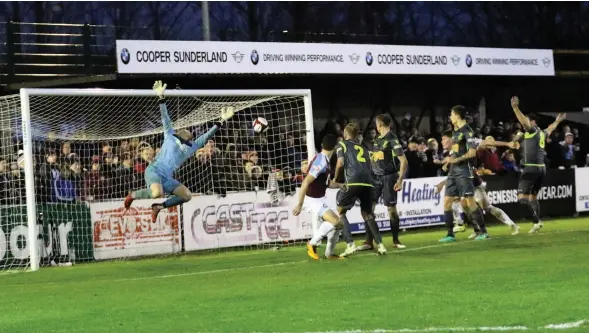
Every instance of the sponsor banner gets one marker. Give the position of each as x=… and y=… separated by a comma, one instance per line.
x=556, y=195
x=198, y=57
x=118, y=233
x=241, y=219
x=418, y=205
x=582, y=189
x=64, y=230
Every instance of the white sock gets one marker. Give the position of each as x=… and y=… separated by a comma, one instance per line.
x=457, y=211
x=324, y=229
x=500, y=215
x=332, y=239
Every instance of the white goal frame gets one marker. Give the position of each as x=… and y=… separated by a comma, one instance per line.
x=25, y=93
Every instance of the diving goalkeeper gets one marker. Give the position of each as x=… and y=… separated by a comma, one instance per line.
x=176, y=149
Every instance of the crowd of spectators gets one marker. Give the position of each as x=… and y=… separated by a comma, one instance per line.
x=424, y=150
x=239, y=160
x=235, y=160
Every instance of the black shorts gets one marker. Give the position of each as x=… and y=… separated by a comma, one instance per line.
x=459, y=187
x=530, y=181
x=384, y=186
x=347, y=199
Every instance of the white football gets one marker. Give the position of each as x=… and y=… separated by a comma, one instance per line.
x=260, y=125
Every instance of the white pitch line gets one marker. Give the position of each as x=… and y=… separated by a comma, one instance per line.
x=562, y=326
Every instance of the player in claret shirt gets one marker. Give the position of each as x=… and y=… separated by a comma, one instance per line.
x=312, y=198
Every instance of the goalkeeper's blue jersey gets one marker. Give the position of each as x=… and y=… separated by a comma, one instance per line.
x=173, y=152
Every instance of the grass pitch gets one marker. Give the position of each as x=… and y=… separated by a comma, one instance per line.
x=507, y=282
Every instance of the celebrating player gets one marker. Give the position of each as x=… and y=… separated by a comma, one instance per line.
x=459, y=183
x=312, y=198
x=534, y=169
x=390, y=166
x=480, y=193
x=176, y=149
x=355, y=161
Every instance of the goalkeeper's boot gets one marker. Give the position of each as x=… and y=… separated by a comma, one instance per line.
x=365, y=247
x=350, y=249
x=381, y=250
x=448, y=239
x=312, y=251
x=459, y=228
x=128, y=201
x=536, y=227
x=155, y=210
x=482, y=236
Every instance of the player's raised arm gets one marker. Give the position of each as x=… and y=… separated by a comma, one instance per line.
x=160, y=88
x=554, y=125
x=226, y=114
x=525, y=121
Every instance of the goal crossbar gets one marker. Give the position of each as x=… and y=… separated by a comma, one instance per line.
x=170, y=92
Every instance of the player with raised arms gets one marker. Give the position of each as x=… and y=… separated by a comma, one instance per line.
x=533, y=144
x=312, y=199
x=354, y=160
x=178, y=146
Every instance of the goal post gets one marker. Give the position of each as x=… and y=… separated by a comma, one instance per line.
x=84, y=149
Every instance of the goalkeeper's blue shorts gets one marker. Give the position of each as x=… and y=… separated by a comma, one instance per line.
x=154, y=176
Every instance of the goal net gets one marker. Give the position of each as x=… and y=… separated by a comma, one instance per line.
x=90, y=147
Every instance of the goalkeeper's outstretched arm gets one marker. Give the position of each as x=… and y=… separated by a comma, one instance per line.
x=226, y=114
x=160, y=88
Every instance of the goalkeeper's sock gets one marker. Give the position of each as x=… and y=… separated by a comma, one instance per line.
x=324, y=229
x=173, y=201
x=142, y=194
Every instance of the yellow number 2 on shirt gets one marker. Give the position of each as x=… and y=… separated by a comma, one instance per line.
x=360, y=156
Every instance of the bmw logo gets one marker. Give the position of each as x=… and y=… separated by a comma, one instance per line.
x=369, y=58
x=255, y=57
x=125, y=56
x=468, y=61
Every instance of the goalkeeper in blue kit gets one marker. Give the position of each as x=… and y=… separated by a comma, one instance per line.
x=178, y=146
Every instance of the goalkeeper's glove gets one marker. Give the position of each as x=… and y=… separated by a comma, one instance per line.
x=159, y=88
x=226, y=114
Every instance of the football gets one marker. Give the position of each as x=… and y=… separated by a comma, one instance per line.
x=260, y=125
